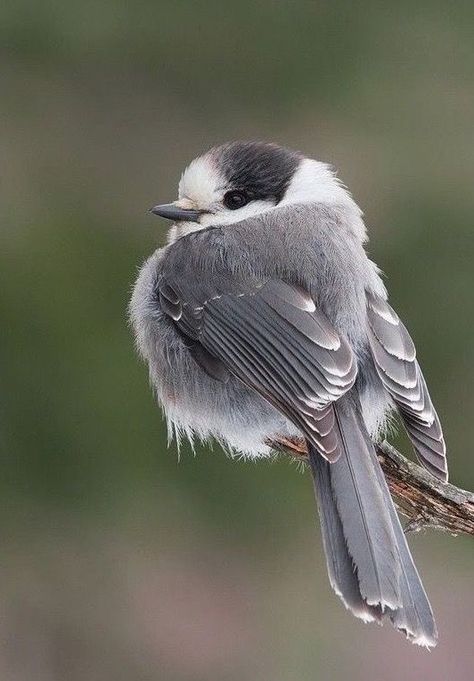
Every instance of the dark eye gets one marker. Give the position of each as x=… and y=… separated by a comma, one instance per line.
x=235, y=199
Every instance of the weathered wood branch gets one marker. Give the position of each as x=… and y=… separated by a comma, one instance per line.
x=426, y=501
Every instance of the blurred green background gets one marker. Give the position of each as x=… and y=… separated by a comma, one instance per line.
x=117, y=561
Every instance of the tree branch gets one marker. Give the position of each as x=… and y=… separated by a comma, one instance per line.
x=426, y=501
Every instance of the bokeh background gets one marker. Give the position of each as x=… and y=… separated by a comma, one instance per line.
x=119, y=563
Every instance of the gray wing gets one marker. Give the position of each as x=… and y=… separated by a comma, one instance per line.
x=272, y=338
x=395, y=358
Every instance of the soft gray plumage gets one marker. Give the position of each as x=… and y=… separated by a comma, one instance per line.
x=266, y=318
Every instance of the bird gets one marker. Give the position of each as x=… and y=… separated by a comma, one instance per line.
x=263, y=317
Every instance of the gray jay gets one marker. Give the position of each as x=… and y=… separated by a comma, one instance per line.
x=263, y=317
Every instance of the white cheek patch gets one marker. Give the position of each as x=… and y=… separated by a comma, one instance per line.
x=221, y=216
x=224, y=216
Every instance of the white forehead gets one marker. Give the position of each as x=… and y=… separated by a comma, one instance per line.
x=202, y=182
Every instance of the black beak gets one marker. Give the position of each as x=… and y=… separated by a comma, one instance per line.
x=171, y=211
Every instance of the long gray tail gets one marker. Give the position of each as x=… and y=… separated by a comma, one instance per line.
x=369, y=563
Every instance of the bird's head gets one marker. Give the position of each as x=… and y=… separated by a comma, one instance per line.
x=239, y=180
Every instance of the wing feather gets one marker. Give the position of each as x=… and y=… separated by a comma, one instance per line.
x=395, y=359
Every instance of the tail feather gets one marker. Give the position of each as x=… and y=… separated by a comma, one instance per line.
x=369, y=563
x=415, y=617
x=364, y=515
x=341, y=569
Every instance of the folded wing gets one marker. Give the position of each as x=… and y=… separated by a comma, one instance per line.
x=395, y=358
x=272, y=337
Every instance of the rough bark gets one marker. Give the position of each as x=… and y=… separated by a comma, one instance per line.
x=423, y=499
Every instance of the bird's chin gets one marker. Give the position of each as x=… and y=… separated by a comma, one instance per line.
x=180, y=229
